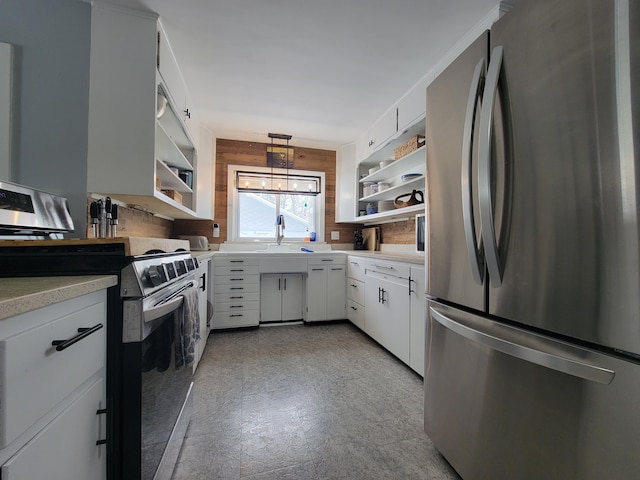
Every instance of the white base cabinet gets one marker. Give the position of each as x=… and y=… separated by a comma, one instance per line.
x=281, y=297
x=204, y=286
x=66, y=448
x=326, y=288
x=356, y=291
x=387, y=301
x=236, y=292
x=418, y=307
x=51, y=420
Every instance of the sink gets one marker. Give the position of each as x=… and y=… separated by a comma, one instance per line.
x=274, y=247
x=283, y=247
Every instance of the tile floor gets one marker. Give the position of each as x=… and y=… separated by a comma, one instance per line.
x=306, y=402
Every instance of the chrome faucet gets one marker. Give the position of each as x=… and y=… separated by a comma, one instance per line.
x=279, y=228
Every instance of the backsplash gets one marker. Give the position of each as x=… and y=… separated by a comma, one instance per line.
x=136, y=223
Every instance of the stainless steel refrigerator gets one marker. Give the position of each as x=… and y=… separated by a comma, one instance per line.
x=533, y=157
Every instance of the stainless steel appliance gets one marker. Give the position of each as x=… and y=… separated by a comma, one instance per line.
x=151, y=326
x=533, y=341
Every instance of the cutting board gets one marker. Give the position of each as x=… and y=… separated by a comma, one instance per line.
x=371, y=238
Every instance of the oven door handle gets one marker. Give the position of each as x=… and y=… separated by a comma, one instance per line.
x=163, y=309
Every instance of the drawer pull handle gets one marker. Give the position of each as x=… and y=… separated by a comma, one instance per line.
x=82, y=333
x=236, y=297
x=236, y=261
x=237, y=279
x=236, y=306
x=317, y=269
x=236, y=288
x=237, y=270
x=101, y=442
x=327, y=259
x=237, y=315
x=102, y=411
x=354, y=308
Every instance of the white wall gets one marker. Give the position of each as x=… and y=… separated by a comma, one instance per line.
x=51, y=40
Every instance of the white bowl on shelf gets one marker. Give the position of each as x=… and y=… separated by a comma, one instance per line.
x=373, y=170
x=410, y=176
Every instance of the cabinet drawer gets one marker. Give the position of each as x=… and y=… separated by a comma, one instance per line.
x=396, y=269
x=356, y=267
x=355, y=290
x=237, y=287
x=235, y=306
x=327, y=259
x=34, y=377
x=230, y=261
x=356, y=314
x=66, y=448
x=249, y=318
x=238, y=279
x=236, y=296
x=237, y=270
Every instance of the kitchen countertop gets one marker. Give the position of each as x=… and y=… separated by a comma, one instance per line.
x=23, y=294
x=398, y=257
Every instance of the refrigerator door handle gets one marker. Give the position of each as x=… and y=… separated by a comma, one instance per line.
x=539, y=351
x=474, y=251
x=487, y=226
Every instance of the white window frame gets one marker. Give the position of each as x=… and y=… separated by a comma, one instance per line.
x=233, y=201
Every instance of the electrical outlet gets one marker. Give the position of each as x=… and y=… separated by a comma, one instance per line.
x=335, y=235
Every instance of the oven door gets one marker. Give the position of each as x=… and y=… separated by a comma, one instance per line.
x=156, y=394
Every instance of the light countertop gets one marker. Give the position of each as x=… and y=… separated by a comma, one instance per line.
x=381, y=255
x=23, y=294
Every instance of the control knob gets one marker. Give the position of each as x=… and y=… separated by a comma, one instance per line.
x=155, y=275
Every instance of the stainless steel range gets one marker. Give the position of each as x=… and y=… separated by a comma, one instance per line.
x=152, y=323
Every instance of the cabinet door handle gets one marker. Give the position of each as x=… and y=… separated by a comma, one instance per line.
x=383, y=266
x=354, y=285
x=82, y=333
x=187, y=113
x=317, y=269
x=204, y=282
x=285, y=284
x=353, y=308
x=336, y=269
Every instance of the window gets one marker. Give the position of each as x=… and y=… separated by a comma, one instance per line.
x=252, y=213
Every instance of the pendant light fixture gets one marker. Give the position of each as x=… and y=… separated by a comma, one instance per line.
x=277, y=182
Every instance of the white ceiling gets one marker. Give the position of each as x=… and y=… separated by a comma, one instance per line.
x=322, y=71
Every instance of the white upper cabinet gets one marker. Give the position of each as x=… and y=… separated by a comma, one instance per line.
x=135, y=155
x=345, y=181
x=377, y=136
x=174, y=81
x=412, y=107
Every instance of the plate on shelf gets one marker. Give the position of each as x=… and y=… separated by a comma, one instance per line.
x=410, y=176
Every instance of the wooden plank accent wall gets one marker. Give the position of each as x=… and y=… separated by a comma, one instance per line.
x=234, y=152
x=402, y=233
